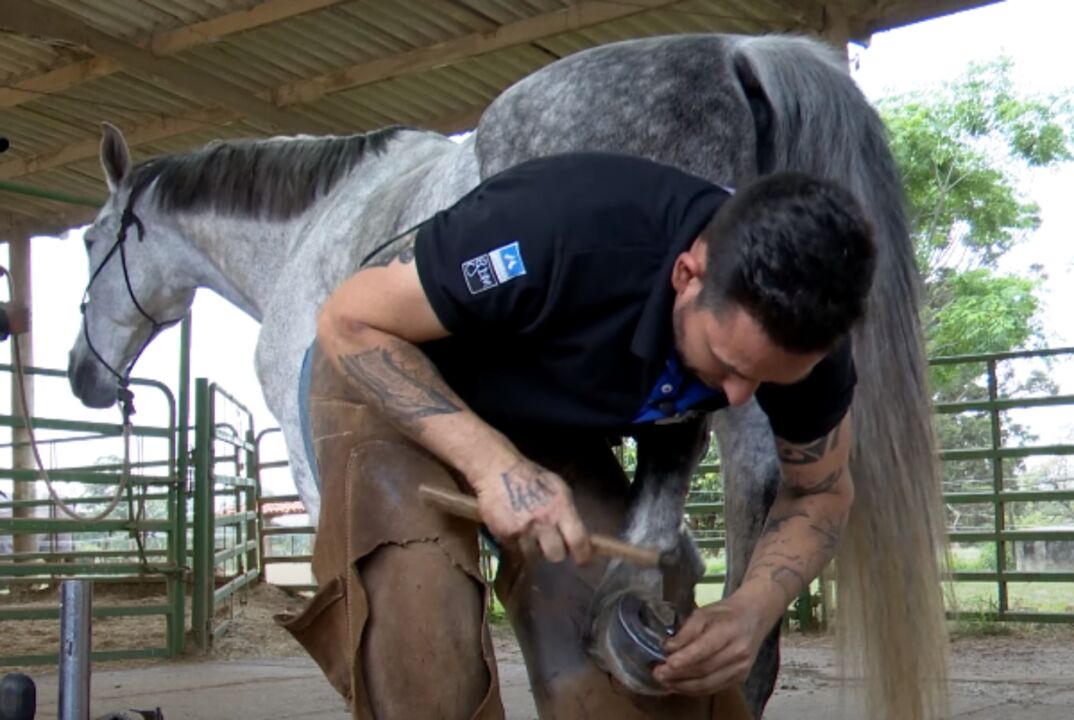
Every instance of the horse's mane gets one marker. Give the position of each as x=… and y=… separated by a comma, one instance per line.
x=272, y=179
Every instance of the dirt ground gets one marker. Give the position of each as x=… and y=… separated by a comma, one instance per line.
x=1015, y=673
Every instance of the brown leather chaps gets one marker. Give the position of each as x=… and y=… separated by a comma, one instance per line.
x=398, y=623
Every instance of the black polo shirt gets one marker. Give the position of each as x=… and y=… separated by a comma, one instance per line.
x=554, y=279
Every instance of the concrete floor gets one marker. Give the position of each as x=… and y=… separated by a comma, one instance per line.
x=989, y=683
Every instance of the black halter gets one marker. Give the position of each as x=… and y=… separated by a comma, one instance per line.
x=128, y=218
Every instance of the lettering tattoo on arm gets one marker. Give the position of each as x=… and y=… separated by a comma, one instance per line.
x=527, y=491
x=403, y=384
x=401, y=249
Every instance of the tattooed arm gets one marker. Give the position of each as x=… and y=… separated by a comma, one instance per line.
x=369, y=328
x=718, y=644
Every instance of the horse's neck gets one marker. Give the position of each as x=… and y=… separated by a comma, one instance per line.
x=246, y=259
x=241, y=259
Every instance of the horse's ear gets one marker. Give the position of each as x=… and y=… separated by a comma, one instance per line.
x=115, y=157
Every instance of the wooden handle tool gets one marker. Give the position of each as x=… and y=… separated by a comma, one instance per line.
x=464, y=506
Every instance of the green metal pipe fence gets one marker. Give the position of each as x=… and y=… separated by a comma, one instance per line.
x=150, y=549
x=207, y=536
x=227, y=524
x=1004, y=491
x=705, y=509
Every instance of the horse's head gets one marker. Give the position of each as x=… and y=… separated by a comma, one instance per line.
x=132, y=292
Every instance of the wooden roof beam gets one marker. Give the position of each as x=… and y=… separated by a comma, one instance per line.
x=30, y=18
x=167, y=43
x=895, y=13
x=576, y=17
x=89, y=148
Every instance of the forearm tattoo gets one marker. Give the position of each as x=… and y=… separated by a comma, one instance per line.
x=526, y=490
x=831, y=531
x=402, y=383
x=401, y=249
x=775, y=522
x=799, y=487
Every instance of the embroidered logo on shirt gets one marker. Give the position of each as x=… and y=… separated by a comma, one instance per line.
x=485, y=272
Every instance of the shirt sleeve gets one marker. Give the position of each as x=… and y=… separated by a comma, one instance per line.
x=812, y=408
x=487, y=262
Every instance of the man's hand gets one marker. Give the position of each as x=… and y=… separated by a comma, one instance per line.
x=532, y=505
x=715, y=648
x=718, y=644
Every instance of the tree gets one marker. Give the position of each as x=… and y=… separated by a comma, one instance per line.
x=963, y=149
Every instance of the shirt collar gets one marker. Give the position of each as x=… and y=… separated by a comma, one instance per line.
x=653, y=338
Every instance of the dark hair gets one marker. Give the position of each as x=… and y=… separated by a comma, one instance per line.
x=796, y=252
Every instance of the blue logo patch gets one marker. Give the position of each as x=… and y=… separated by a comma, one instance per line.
x=485, y=272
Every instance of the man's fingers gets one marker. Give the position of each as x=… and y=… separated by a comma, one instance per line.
x=704, y=666
x=693, y=628
x=576, y=537
x=551, y=543
x=528, y=546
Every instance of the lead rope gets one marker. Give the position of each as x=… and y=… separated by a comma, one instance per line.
x=66, y=509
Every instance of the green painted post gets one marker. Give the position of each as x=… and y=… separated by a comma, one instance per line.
x=46, y=194
x=253, y=497
x=999, y=506
x=177, y=631
x=202, y=605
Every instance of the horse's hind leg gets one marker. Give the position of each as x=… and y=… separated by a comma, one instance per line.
x=751, y=477
x=548, y=604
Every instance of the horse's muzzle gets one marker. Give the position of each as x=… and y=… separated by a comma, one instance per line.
x=88, y=385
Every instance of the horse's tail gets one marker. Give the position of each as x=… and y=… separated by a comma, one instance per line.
x=812, y=117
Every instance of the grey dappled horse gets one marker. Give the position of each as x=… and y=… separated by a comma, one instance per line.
x=727, y=108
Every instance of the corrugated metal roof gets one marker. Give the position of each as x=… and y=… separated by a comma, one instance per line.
x=153, y=67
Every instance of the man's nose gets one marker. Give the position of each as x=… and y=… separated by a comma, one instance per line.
x=738, y=390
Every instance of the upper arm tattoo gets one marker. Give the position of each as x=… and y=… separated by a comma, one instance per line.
x=400, y=248
x=792, y=454
x=797, y=459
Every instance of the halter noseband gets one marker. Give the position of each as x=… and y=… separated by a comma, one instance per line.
x=128, y=218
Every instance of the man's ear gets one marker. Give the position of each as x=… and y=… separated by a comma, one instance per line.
x=689, y=265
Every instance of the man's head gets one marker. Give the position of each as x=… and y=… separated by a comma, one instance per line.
x=777, y=278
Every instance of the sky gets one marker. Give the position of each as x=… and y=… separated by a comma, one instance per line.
x=1035, y=33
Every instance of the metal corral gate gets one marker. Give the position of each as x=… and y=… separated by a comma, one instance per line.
x=227, y=526
x=142, y=542
x=1012, y=495
x=149, y=539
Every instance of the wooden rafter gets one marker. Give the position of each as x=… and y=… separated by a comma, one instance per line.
x=30, y=18
x=58, y=221
x=895, y=13
x=152, y=131
x=167, y=43
x=577, y=17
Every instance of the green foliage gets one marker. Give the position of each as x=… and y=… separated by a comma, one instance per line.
x=961, y=148
x=964, y=149
x=979, y=311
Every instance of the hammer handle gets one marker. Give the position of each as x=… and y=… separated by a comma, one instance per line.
x=465, y=506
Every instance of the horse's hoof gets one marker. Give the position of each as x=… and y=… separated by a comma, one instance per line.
x=630, y=641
